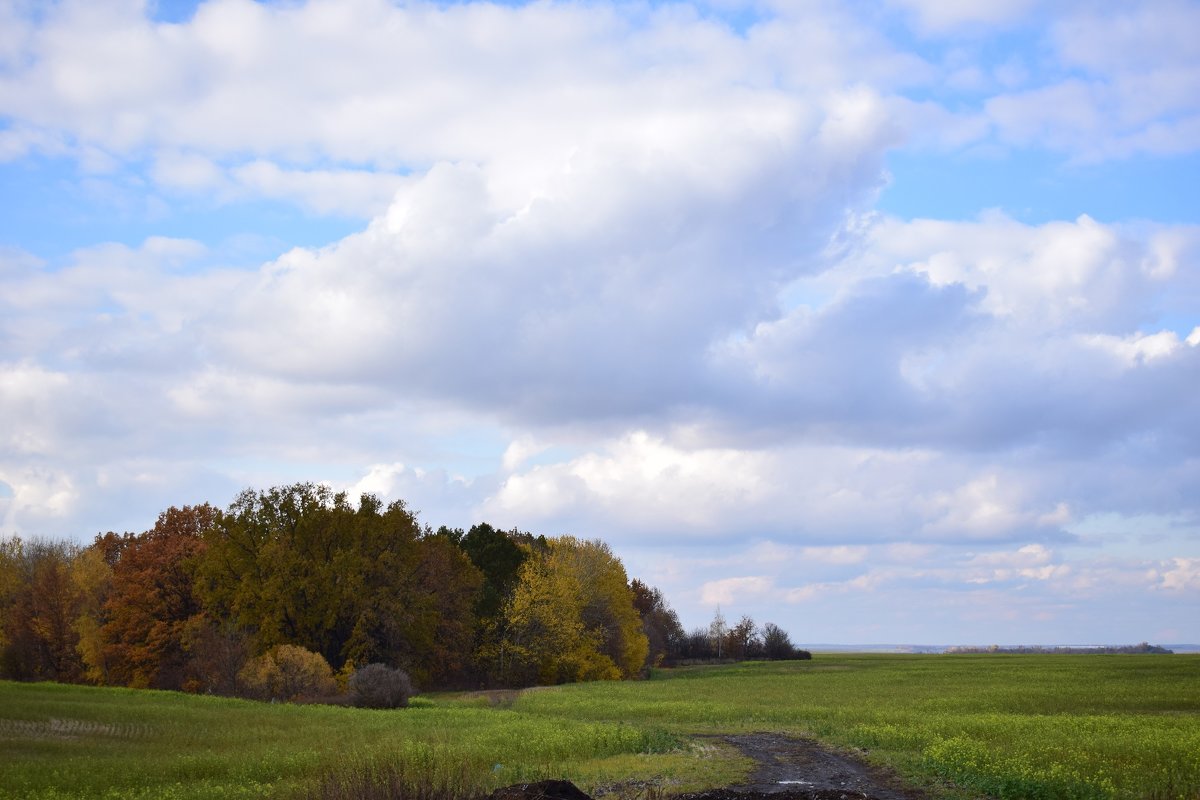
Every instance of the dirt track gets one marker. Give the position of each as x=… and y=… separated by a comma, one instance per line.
x=800, y=768
x=787, y=769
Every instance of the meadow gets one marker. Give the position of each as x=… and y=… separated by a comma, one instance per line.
x=1007, y=726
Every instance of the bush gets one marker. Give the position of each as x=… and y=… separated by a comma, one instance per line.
x=380, y=686
x=286, y=672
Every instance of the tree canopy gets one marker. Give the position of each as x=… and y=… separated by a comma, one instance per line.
x=221, y=600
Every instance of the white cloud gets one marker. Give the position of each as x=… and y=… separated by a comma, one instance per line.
x=1137, y=349
x=520, y=89
x=1030, y=562
x=29, y=393
x=36, y=495
x=942, y=16
x=867, y=582
x=647, y=488
x=519, y=451
x=979, y=507
x=1183, y=575
x=728, y=591
x=1065, y=273
x=351, y=192
x=620, y=278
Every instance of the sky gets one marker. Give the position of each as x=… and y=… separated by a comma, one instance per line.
x=879, y=321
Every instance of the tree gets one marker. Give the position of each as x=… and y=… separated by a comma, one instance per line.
x=717, y=629
x=40, y=641
x=217, y=650
x=421, y=616
x=572, y=618
x=498, y=557
x=153, y=598
x=776, y=643
x=698, y=644
x=741, y=639
x=290, y=565
x=92, y=577
x=299, y=565
x=664, y=634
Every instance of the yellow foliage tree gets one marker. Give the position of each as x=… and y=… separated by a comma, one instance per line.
x=571, y=616
x=92, y=577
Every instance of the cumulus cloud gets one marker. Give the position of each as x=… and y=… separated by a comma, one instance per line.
x=1181, y=575
x=618, y=275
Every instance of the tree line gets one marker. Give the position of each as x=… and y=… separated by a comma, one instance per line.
x=297, y=578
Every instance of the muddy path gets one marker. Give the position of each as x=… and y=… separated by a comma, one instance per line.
x=788, y=767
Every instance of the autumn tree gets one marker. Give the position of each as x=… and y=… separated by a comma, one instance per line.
x=92, y=577
x=697, y=645
x=40, y=608
x=742, y=639
x=571, y=616
x=217, y=650
x=153, y=599
x=11, y=583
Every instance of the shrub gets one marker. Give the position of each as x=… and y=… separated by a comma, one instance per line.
x=380, y=686
x=286, y=672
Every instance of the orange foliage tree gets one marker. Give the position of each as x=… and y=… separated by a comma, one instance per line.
x=152, y=600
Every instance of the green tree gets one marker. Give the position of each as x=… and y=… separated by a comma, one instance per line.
x=286, y=565
x=664, y=633
x=299, y=565
x=777, y=644
x=498, y=557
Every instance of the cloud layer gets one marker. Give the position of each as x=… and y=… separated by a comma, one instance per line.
x=619, y=273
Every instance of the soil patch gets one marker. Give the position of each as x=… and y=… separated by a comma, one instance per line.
x=786, y=768
x=802, y=769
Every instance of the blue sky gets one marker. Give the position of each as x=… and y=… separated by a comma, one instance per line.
x=880, y=321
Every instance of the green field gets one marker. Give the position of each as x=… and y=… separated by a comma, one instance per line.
x=1012, y=726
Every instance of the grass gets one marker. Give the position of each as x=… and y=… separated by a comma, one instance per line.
x=1009, y=726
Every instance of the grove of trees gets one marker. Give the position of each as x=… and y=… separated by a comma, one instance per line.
x=292, y=590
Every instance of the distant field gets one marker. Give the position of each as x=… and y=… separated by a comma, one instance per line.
x=1009, y=726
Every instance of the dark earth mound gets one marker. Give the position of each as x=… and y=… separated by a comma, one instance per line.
x=542, y=790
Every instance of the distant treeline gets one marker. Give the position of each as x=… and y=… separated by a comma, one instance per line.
x=1144, y=647
x=296, y=578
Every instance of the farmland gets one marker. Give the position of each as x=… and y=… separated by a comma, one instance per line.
x=1005, y=726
